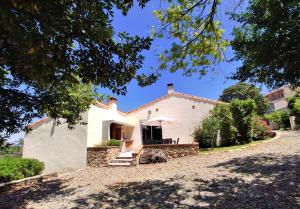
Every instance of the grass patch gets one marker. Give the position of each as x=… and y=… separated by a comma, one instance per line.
x=231, y=148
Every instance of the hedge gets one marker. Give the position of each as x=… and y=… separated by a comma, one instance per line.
x=14, y=168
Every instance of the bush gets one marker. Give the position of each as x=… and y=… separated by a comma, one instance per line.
x=227, y=130
x=280, y=118
x=260, y=128
x=12, y=168
x=242, y=113
x=113, y=142
x=206, y=133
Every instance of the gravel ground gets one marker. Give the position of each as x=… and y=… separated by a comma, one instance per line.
x=265, y=175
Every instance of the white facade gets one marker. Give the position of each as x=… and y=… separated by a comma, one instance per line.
x=52, y=144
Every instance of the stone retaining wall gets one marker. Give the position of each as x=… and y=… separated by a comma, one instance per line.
x=99, y=156
x=174, y=150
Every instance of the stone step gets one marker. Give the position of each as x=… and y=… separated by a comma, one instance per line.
x=119, y=164
x=123, y=159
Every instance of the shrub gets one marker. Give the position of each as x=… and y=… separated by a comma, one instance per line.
x=113, y=142
x=206, y=133
x=280, y=118
x=260, y=128
x=227, y=130
x=12, y=168
x=242, y=113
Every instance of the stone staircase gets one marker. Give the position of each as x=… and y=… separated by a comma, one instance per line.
x=121, y=161
x=126, y=158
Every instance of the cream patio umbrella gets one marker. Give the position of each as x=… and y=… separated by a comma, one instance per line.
x=158, y=121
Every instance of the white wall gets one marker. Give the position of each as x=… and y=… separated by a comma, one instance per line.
x=60, y=148
x=180, y=109
x=98, y=124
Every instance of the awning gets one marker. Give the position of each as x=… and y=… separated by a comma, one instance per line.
x=118, y=122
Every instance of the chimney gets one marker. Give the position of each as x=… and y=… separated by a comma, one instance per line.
x=170, y=88
x=112, y=103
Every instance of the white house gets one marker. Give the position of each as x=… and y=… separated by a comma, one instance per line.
x=63, y=149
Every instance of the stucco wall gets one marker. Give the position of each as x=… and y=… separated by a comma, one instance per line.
x=99, y=121
x=280, y=104
x=180, y=109
x=60, y=148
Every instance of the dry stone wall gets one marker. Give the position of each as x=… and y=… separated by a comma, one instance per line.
x=174, y=150
x=99, y=156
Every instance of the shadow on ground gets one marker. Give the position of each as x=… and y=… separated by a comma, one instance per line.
x=17, y=197
x=255, y=182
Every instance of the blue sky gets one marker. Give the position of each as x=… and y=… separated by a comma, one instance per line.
x=139, y=22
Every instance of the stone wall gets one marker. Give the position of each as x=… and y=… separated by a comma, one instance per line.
x=174, y=150
x=99, y=156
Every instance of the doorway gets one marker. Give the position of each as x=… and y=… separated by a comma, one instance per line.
x=115, y=131
x=152, y=134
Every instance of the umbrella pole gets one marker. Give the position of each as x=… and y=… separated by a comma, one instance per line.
x=151, y=134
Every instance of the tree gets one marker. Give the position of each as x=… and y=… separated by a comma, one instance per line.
x=224, y=117
x=267, y=41
x=198, y=42
x=294, y=103
x=207, y=132
x=242, y=113
x=245, y=91
x=294, y=106
x=53, y=54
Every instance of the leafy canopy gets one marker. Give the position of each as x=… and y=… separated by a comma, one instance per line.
x=294, y=103
x=53, y=53
x=243, y=112
x=197, y=41
x=245, y=91
x=268, y=42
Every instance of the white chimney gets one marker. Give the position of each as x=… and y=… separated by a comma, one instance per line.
x=112, y=103
x=170, y=88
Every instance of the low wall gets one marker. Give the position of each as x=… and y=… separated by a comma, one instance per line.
x=99, y=156
x=173, y=150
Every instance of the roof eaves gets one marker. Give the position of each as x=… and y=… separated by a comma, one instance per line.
x=176, y=94
x=37, y=123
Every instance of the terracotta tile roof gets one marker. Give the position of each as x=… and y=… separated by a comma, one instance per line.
x=37, y=123
x=106, y=107
x=179, y=95
x=276, y=90
x=96, y=103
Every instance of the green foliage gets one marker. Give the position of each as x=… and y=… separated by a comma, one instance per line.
x=227, y=130
x=280, y=118
x=53, y=53
x=294, y=103
x=267, y=41
x=113, y=142
x=206, y=133
x=245, y=91
x=260, y=128
x=242, y=113
x=198, y=41
x=17, y=168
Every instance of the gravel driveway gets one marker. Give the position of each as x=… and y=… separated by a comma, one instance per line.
x=266, y=175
